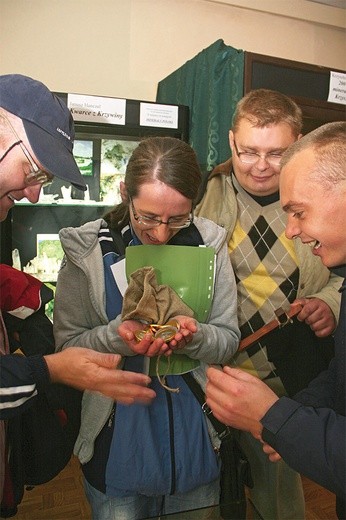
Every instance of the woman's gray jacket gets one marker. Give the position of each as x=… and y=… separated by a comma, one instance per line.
x=80, y=317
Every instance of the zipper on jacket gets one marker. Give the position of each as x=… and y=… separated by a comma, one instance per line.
x=111, y=417
x=171, y=440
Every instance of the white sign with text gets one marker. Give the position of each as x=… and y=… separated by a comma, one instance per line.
x=337, y=88
x=97, y=109
x=163, y=116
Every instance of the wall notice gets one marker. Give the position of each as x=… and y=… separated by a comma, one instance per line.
x=337, y=88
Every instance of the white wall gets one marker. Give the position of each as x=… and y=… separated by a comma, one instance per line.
x=122, y=48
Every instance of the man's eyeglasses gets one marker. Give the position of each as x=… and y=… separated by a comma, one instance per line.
x=35, y=175
x=172, y=223
x=252, y=157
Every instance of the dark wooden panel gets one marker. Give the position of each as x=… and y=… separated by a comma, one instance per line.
x=307, y=84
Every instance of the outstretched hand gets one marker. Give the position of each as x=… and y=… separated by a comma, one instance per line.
x=86, y=369
x=238, y=399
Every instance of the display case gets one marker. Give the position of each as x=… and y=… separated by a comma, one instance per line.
x=107, y=131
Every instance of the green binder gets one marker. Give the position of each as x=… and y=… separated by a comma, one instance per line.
x=190, y=272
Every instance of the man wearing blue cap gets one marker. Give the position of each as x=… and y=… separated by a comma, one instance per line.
x=36, y=142
x=38, y=129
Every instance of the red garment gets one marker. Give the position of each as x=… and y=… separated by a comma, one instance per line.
x=19, y=292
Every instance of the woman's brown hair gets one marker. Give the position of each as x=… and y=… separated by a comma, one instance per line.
x=166, y=159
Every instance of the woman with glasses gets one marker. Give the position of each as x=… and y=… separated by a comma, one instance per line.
x=146, y=461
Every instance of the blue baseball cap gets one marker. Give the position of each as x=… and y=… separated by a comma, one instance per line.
x=48, y=124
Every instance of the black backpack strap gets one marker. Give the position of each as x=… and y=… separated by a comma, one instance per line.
x=235, y=469
x=221, y=429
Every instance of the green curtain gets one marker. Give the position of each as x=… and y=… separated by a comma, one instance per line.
x=210, y=84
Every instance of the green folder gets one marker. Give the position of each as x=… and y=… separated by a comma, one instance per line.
x=190, y=272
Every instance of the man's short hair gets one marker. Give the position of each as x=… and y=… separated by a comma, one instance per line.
x=328, y=143
x=264, y=107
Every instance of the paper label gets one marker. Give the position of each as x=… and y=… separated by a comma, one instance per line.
x=337, y=88
x=163, y=116
x=97, y=109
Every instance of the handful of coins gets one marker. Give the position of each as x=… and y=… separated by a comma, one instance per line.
x=166, y=331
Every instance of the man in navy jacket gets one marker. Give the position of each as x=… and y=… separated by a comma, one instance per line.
x=36, y=143
x=309, y=431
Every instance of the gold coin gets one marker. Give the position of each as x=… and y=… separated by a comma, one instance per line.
x=166, y=332
x=139, y=334
x=174, y=323
x=154, y=327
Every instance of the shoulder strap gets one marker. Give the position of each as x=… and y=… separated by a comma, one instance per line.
x=235, y=467
x=282, y=319
x=221, y=429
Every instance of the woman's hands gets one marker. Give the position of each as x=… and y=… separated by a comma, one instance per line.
x=146, y=346
x=150, y=346
x=188, y=327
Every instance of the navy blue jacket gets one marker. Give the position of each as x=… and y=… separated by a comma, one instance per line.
x=22, y=303
x=20, y=378
x=309, y=431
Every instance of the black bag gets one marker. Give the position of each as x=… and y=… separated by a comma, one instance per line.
x=42, y=438
x=49, y=430
x=41, y=442
x=235, y=468
x=235, y=475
